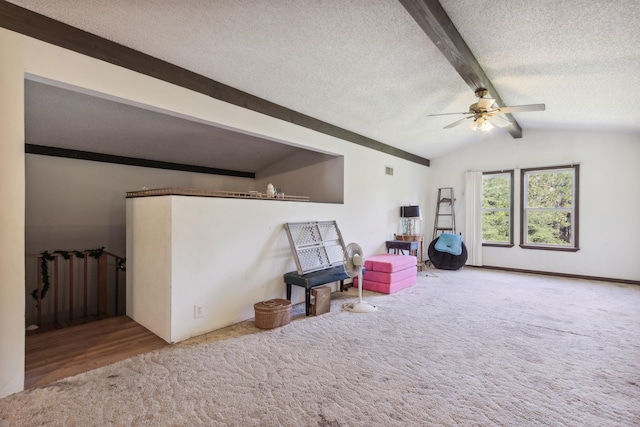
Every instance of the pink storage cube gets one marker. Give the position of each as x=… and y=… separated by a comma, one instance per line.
x=388, y=263
x=379, y=276
x=387, y=288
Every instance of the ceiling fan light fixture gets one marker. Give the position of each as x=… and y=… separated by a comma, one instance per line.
x=481, y=124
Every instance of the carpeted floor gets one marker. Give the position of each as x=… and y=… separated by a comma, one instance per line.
x=471, y=347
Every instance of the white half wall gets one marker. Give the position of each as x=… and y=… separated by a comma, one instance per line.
x=609, y=197
x=149, y=264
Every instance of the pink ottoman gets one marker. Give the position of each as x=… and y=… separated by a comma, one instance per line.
x=382, y=277
x=388, y=273
x=388, y=263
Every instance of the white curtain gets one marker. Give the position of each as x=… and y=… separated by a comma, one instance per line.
x=473, y=217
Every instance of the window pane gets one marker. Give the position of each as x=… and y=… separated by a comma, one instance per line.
x=549, y=228
x=495, y=227
x=497, y=208
x=496, y=191
x=550, y=190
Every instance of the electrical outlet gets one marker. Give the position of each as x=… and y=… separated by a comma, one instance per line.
x=198, y=311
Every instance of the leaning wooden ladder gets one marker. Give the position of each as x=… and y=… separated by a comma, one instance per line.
x=445, y=215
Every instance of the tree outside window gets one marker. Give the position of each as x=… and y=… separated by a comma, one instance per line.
x=497, y=208
x=550, y=208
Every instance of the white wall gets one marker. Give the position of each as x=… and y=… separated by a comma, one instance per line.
x=306, y=173
x=609, y=197
x=11, y=216
x=371, y=199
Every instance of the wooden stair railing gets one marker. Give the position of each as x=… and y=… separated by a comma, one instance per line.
x=73, y=287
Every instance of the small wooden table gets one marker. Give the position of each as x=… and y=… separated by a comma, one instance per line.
x=399, y=246
x=413, y=246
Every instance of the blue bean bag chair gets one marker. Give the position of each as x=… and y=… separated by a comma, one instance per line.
x=447, y=252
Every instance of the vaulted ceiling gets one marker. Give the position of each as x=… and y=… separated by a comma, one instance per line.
x=376, y=69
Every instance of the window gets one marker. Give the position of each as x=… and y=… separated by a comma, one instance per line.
x=497, y=208
x=549, y=203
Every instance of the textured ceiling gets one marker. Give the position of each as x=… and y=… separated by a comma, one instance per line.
x=366, y=66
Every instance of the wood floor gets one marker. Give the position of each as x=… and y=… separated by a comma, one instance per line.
x=66, y=323
x=61, y=353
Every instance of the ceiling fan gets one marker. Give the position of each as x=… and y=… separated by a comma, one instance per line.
x=486, y=114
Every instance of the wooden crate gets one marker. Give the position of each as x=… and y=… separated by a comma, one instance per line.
x=322, y=304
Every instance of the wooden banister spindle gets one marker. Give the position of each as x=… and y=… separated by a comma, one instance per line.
x=55, y=289
x=102, y=284
x=117, y=270
x=84, y=284
x=71, y=285
x=39, y=286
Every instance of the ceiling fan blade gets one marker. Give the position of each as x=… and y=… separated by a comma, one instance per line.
x=456, y=123
x=521, y=108
x=498, y=120
x=447, y=114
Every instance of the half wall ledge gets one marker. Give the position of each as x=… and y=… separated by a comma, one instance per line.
x=177, y=191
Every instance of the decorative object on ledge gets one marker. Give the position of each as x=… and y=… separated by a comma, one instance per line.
x=177, y=191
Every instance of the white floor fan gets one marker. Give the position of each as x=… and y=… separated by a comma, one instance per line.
x=353, y=262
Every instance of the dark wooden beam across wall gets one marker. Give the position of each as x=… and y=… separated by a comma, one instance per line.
x=48, y=30
x=130, y=161
x=435, y=22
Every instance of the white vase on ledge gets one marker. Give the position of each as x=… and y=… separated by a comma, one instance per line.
x=271, y=192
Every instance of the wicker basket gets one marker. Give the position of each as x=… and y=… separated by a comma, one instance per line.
x=272, y=313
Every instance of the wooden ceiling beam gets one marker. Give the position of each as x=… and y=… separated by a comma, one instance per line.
x=436, y=24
